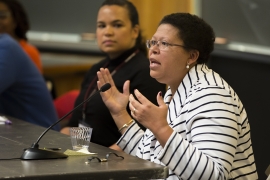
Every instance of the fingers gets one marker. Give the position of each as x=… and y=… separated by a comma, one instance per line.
x=108, y=76
x=133, y=113
x=101, y=80
x=141, y=98
x=160, y=100
x=126, y=88
x=104, y=77
x=132, y=104
x=137, y=105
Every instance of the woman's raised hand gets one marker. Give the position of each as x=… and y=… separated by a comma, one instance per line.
x=115, y=101
x=151, y=116
x=148, y=114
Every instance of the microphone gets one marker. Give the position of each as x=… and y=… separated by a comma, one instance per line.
x=34, y=153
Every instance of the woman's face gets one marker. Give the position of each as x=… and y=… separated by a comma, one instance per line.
x=7, y=24
x=168, y=65
x=115, y=33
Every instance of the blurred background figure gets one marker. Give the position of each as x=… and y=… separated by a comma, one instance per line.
x=14, y=21
x=119, y=37
x=64, y=104
x=23, y=91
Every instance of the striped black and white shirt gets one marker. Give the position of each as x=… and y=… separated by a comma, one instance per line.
x=211, y=137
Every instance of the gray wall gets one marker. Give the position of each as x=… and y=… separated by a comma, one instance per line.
x=63, y=16
x=239, y=20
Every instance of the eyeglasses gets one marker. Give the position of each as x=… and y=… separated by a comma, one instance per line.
x=161, y=44
x=4, y=14
x=104, y=159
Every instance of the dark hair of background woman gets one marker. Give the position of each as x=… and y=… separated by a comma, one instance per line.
x=134, y=18
x=195, y=33
x=20, y=17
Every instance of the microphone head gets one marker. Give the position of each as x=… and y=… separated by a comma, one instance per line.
x=105, y=87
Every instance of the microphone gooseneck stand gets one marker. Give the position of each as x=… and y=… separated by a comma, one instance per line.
x=34, y=153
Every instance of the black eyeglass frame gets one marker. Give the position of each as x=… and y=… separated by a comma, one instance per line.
x=148, y=44
x=104, y=159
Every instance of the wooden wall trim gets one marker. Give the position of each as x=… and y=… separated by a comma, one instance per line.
x=152, y=11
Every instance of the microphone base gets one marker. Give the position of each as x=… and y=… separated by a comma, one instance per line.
x=36, y=154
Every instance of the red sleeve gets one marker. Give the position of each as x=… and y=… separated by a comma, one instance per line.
x=33, y=53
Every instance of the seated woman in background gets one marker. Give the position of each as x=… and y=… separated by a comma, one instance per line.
x=118, y=35
x=200, y=130
x=14, y=21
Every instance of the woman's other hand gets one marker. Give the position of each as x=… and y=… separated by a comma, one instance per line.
x=151, y=116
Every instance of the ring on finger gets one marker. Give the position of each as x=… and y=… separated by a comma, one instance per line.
x=134, y=111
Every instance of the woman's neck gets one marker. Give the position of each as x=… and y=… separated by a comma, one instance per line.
x=174, y=85
x=115, y=55
x=121, y=55
x=173, y=90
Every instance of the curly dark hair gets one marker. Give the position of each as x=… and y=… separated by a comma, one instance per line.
x=195, y=33
x=133, y=16
x=20, y=17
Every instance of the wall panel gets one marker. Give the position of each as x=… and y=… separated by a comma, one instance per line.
x=152, y=11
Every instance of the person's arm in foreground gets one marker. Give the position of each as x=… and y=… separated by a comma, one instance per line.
x=8, y=68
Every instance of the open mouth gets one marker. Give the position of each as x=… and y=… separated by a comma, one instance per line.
x=153, y=61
